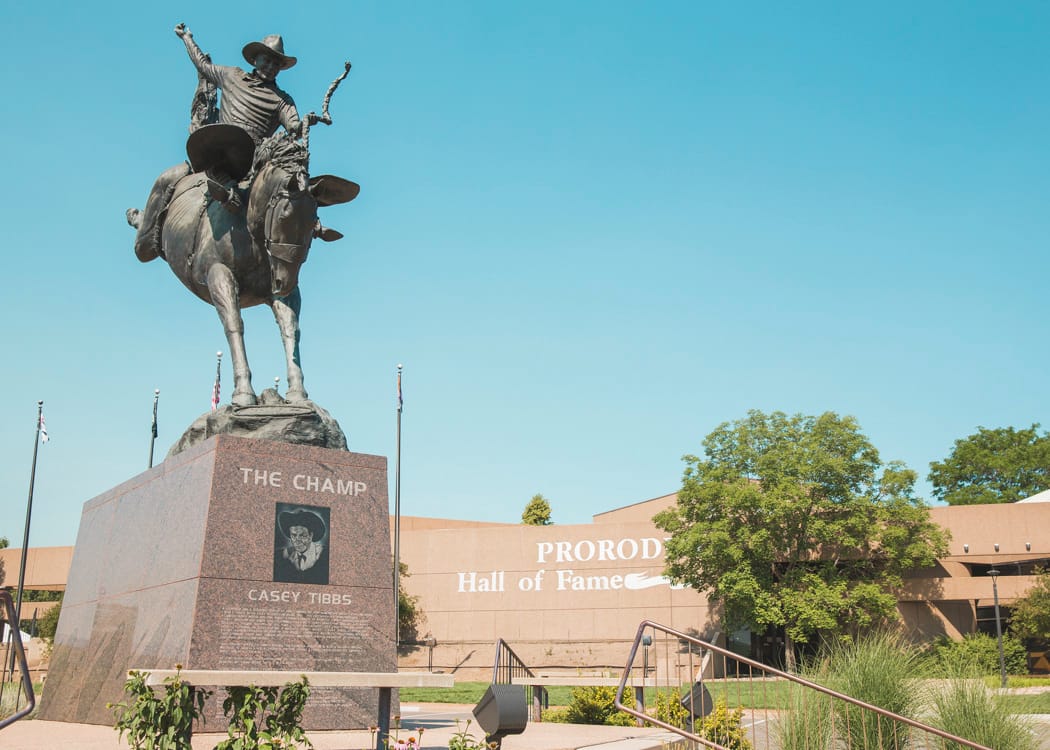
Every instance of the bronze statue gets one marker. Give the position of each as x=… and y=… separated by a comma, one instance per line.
x=236, y=221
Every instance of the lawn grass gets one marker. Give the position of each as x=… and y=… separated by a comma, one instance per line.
x=1018, y=681
x=1039, y=703
x=471, y=692
x=10, y=692
x=735, y=693
x=758, y=694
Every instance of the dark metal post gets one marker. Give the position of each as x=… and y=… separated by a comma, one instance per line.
x=397, y=522
x=383, y=725
x=16, y=626
x=998, y=627
x=153, y=427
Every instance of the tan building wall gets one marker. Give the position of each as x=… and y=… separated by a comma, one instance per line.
x=570, y=597
x=532, y=585
x=47, y=569
x=563, y=597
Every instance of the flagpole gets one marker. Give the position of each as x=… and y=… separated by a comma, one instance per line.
x=397, y=523
x=153, y=428
x=25, y=537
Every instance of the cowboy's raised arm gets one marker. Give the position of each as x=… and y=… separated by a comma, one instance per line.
x=200, y=61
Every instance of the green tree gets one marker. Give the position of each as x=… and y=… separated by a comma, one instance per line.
x=48, y=623
x=1030, y=616
x=1003, y=465
x=537, y=512
x=409, y=614
x=794, y=521
x=41, y=595
x=3, y=545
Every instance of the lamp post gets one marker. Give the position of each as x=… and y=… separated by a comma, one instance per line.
x=998, y=626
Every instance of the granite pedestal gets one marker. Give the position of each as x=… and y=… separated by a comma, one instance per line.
x=193, y=563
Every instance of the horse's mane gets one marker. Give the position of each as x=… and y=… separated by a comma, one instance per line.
x=282, y=152
x=277, y=160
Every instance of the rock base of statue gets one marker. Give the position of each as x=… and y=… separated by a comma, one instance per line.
x=234, y=555
x=273, y=418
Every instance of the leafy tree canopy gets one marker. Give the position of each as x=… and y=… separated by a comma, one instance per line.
x=48, y=623
x=1030, y=617
x=410, y=615
x=794, y=521
x=537, y=512
x=1003, y=465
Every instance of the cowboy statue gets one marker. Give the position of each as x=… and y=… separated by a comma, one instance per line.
x=236, y=221
x=252, y=109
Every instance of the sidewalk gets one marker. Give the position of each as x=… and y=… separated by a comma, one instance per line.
x=437, y=719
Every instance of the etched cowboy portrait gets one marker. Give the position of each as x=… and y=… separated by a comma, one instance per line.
x=301, y=536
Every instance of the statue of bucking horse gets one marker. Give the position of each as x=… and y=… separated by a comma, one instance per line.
x=235, y=223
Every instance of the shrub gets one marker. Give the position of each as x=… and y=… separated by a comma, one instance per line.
x=159, y=722
x=462, y=739
x=48, y=623
x=265, y=717
x=881, y=670
x=13, y=697
x=980, y=652
x=723, y=727
x=557, y=715
x=597, y=705
x=669, y=709
x=410, y=617
x=808, y=720
x=964, y=707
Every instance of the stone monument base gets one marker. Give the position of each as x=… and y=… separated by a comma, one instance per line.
x=193, y=563
x=273, y=418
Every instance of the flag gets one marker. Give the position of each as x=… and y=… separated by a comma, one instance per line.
x=400, y=399
x=215, y=388
x=43, y=429
x=215, y=393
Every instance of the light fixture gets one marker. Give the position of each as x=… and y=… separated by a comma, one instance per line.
x=1027, y=546
x=966, y=548
x=998, y=624
x=996, y=547
x=502, y=710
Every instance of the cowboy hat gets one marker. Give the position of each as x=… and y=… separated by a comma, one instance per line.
x=307, y=519
x=271, y=45
x=227, y=147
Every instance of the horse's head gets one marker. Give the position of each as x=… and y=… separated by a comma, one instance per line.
x=288, y=229
x=288, y=222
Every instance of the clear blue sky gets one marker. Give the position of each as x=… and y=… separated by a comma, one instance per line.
x=591, y=231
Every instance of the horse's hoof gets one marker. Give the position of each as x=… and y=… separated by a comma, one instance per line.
x=298, y=394
x=244, y=399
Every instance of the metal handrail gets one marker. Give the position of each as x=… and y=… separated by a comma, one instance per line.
x=509, y=665
x=685, y=638
x=20, y=655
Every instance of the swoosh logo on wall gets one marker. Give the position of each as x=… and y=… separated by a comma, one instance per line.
x=638, y=581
